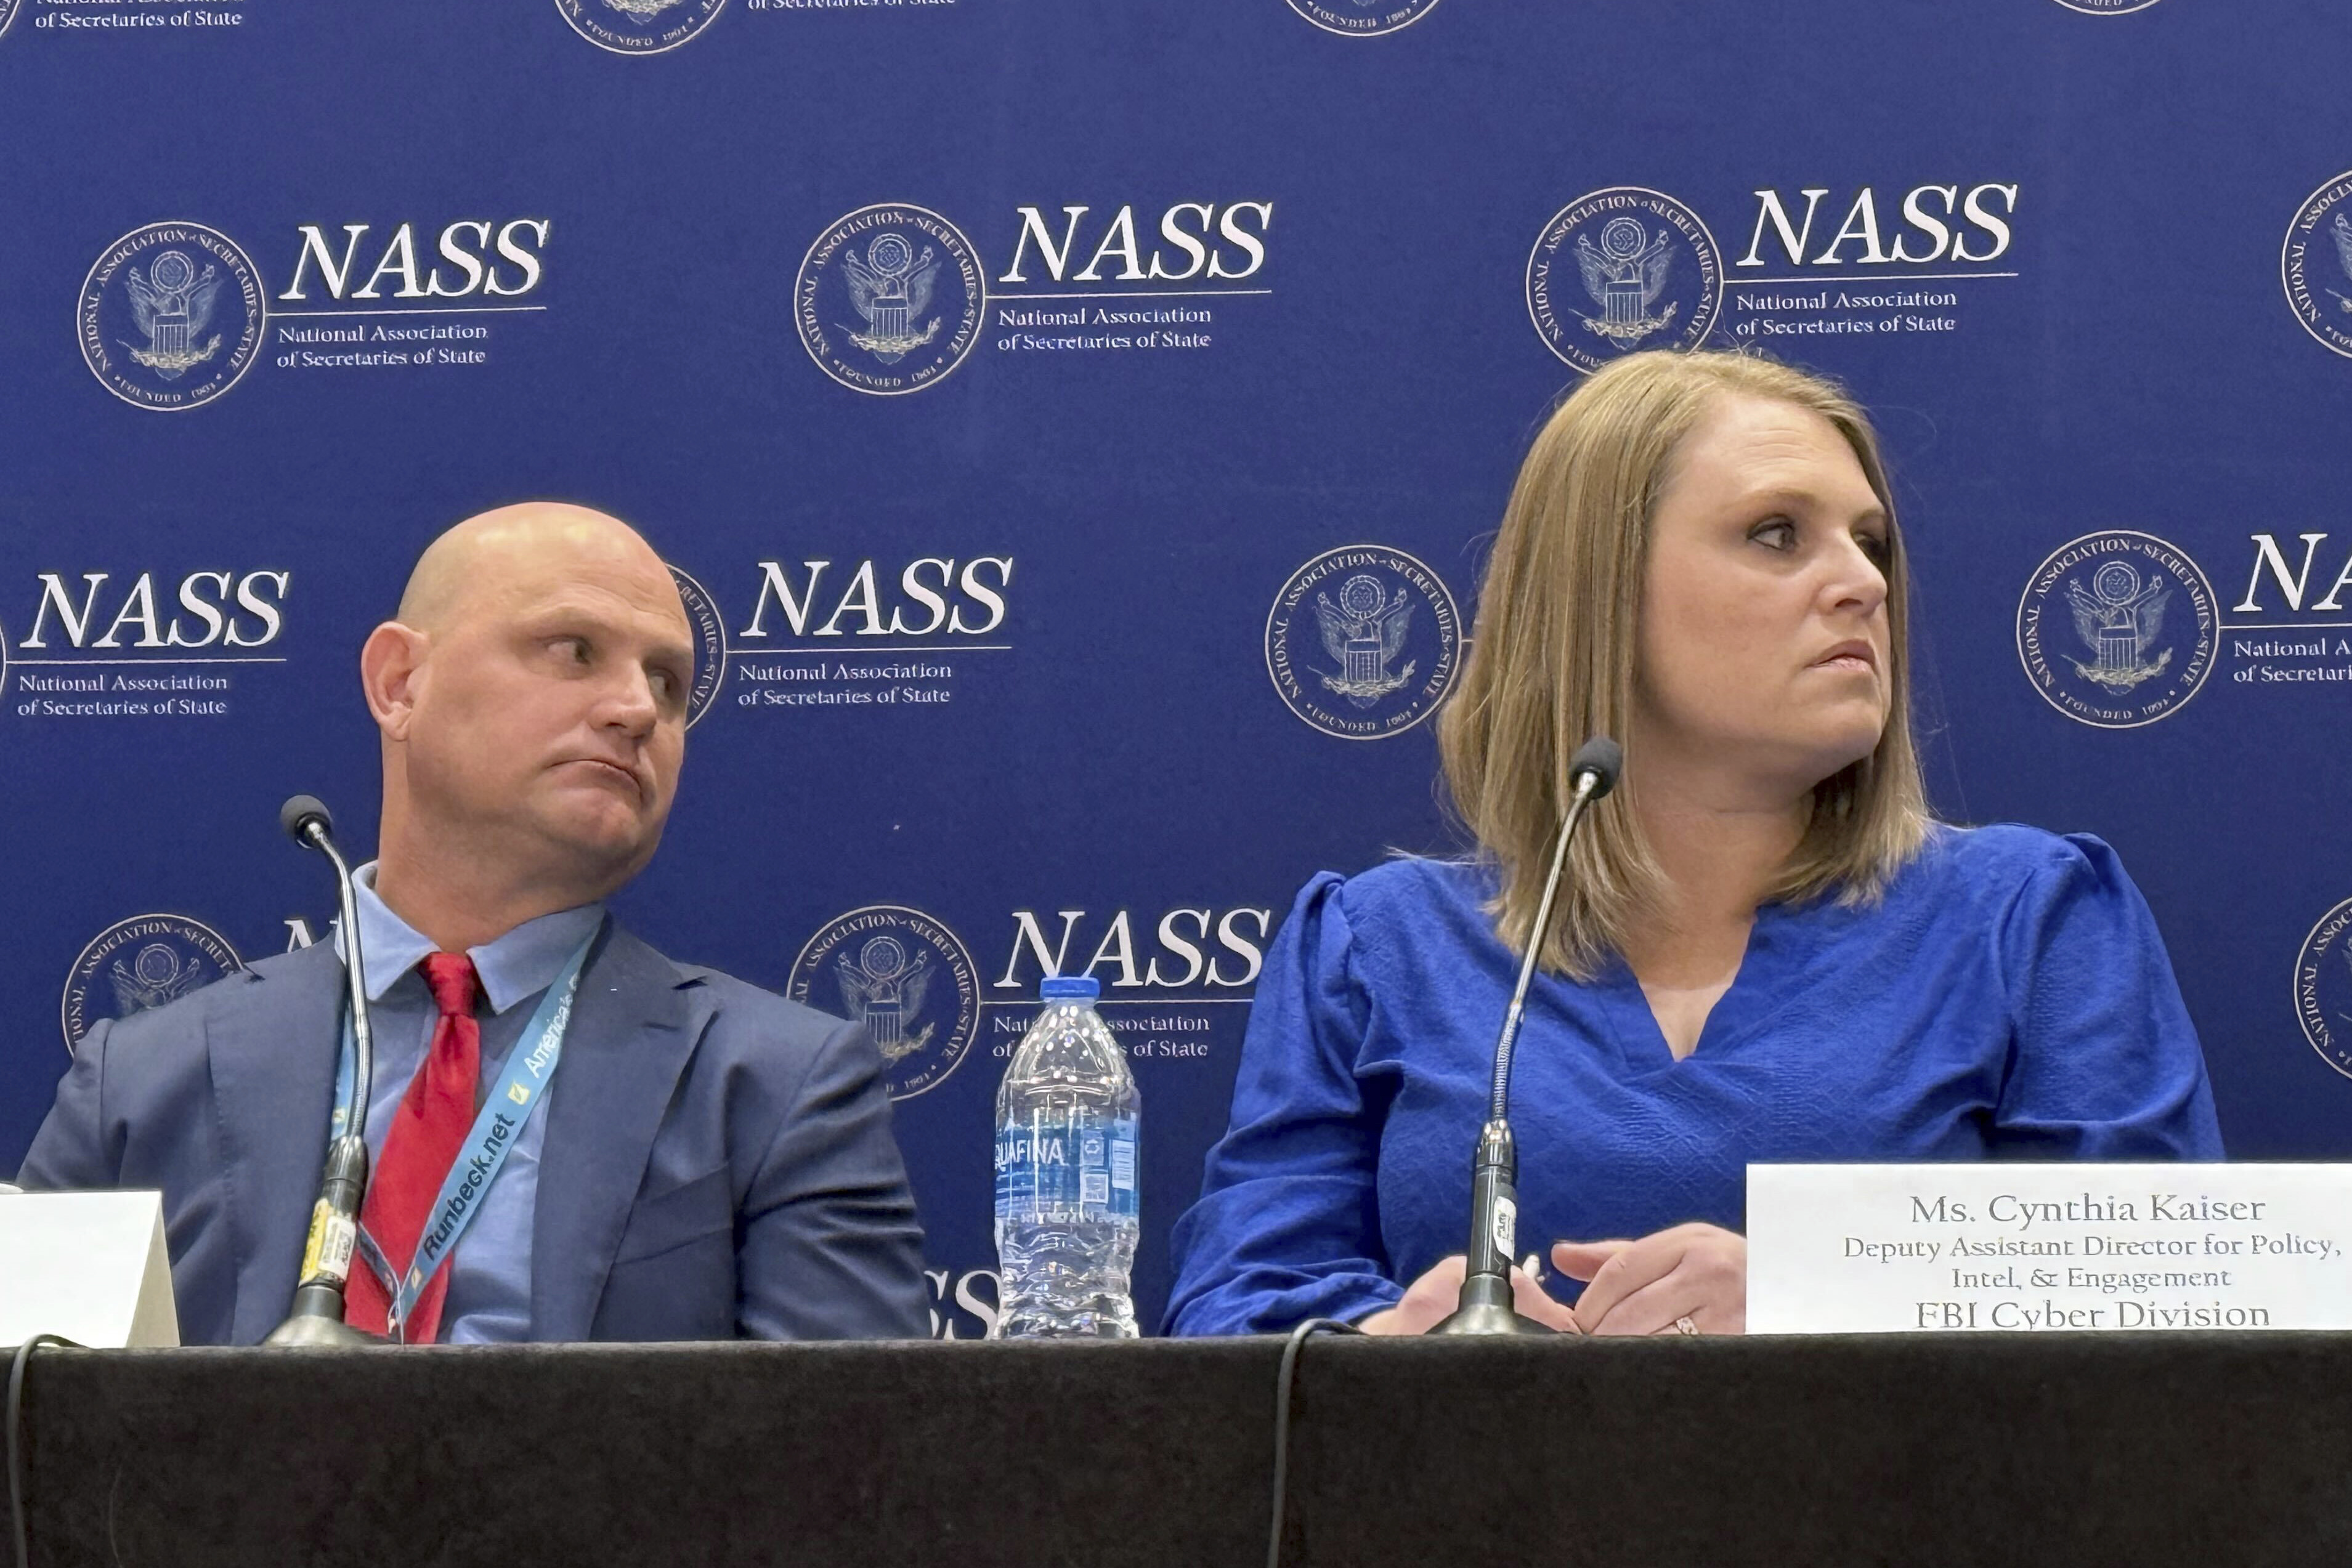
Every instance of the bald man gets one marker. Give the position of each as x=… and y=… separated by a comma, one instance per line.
x=681, y=1156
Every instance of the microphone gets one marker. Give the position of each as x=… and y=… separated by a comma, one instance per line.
x=317, y=1317
x=301, y=813
x=1485, y=1303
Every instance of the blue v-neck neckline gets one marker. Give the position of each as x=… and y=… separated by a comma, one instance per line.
x=1642, y=1044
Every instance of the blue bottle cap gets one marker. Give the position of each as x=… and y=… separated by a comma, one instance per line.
x=1069, y=987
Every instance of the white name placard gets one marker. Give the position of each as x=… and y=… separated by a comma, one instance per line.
x=1897, y=1249
x=88, y=1265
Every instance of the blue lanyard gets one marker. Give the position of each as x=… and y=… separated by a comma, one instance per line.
x=530, y=1068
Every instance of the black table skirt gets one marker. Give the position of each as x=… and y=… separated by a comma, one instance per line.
x=2191, y=1450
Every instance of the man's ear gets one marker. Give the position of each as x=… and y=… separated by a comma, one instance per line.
x=391, y=672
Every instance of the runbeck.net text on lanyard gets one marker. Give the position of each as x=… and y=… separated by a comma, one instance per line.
x=530, y=1070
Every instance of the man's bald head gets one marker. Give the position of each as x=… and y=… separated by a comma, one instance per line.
x=491, y=548
x=532, y=695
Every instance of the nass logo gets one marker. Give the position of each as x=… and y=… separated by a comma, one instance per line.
x=906, y=977
x=171, y=315
x=1364, y=642
x=140, y=963
x=891, y=299
x=2316, y=265
x=638, y=26
x=1363, y=18
x=1621, y=270
x=2117, y=630
x=710, y=644
x=2323, y=989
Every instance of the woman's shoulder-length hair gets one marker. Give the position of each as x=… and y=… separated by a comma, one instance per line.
x=1552, y=658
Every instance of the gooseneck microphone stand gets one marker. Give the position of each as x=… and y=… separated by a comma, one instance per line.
x=1485, y=1303
x=317, y=1317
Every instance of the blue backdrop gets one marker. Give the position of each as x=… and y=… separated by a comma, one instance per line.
x=1078, y=427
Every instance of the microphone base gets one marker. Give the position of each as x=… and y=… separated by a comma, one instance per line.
x=317, y=1322
x=310, y=1333
x=1483, y=1318
x=1485, y=1309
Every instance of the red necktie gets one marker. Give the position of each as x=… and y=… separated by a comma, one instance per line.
x=427, y=1131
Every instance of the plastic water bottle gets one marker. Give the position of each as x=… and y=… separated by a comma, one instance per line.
x=1065, y=1174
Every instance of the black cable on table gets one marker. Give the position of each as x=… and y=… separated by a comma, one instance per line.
x=1283, y=1380
x=16, y=1443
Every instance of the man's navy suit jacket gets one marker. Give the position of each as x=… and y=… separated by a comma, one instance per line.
x=718, y=1163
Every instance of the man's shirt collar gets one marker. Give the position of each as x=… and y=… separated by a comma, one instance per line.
x=522, y=962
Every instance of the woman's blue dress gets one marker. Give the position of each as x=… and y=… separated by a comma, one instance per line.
x=2009, y=998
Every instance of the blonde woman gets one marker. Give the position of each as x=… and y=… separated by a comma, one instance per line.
x=1767, y=947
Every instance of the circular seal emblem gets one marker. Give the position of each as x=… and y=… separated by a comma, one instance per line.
x=638, y=26
x=140, y=963
x=907, y=978
x=2315, y=263
x=1364, y=642
x=2323, y=989
x=1622, y=269
x=710, y=645
x=2107, y=7
x=1363, y=18
x=7, y=14
x=2118, y=629
x=891, y=299
x=171, y=315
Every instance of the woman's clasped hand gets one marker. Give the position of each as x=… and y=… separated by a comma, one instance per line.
x=1430, y=1299
x=1688, y=1274
x=1693, y=1273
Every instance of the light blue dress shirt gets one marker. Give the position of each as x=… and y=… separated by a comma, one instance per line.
x=489, y=1274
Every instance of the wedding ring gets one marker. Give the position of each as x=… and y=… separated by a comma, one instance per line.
x=1683, y=1326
